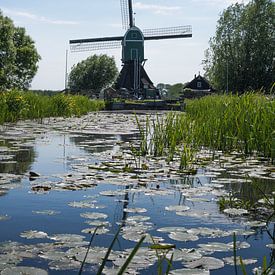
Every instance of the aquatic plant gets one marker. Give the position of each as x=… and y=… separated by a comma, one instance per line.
x=220, y=122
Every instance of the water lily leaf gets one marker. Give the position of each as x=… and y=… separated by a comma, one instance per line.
x=134, y=210
x=188, y=271
x=235, y=211
x=194, y=214
x=47, y=212
x=183, y=236
x=169, y=229
x=64, y=264
x=52, y=255
x=93, y=215
x=100, y=231
x=230, y=261
x=98, y=223
x=138, y=218
x=23, y=270
x=186, y=255
x=34, y=234
x=255, y=223
x=195, y=199
x=95, y=255
x=208, y=263
x=9, y=260
x=85, y=204
x=209, y=232
x=215, y=247
x=67, y=238
x=4, y=218
x=177, y=208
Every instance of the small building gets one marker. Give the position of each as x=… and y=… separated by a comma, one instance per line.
x=196, y=88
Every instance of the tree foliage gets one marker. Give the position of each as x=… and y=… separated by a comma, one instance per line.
x=240, y=56
x=18, y=56
x=93, y=74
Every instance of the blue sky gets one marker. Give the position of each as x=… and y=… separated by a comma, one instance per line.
x=52, y=23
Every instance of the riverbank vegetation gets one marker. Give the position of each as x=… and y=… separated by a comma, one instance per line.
x=220, y=122
x=16, y=105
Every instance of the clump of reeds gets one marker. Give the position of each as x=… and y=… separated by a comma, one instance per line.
x=220, y=122
x=16, y=105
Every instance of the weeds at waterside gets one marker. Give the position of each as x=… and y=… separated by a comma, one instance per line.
x=16, y=105
x=220, y=122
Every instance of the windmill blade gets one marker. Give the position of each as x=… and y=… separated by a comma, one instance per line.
x=167, y=33
x=124, y=5
x=92, y=44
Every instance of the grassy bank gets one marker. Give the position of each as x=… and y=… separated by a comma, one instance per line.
x=222, y=122
x=16, y=105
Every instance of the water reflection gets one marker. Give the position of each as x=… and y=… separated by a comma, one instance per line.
x=16, y=160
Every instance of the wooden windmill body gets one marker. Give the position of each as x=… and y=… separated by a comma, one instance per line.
x=133, y=78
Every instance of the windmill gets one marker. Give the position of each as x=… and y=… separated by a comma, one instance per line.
x=133, y=77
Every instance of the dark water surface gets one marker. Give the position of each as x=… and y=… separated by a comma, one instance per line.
x=61, y=152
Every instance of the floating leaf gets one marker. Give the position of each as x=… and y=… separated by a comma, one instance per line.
x=134, y=210
x=177, y=208
x=47, y=212
x=208, y=263
x=4, y=218
x=23, y=270
x=186, y=255
x=34, y=234
x=93, y=215
x=183, y=236
x=235, y=211
x=187, y=271
x=230, y=261
x=101, y=230
x=215, y=247
x=67, y=238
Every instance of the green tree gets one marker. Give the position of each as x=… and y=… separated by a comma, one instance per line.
x=175, y=91
x=18, y=56
x=240, y=55
x=93, y=74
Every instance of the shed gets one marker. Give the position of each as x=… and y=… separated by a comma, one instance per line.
x=198, y=87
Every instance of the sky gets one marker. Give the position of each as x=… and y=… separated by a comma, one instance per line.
x=52, y=23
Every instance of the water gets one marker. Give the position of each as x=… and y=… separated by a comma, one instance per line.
x=65, y=153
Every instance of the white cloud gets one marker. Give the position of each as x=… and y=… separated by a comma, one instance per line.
x=37, y=18
x=156, y=8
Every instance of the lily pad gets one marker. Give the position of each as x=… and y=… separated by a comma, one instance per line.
x=230, y=261
x=47, y=212
x=235, y=211
x=93, y=215
x=135, y=210
x=188, y=271
x=26, y=270
x=183, y=236
x=208, y=263
x=177, y=208
x=34, y=234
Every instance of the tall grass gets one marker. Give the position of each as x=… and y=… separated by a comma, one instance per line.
x=220, y=122
x=16, y=105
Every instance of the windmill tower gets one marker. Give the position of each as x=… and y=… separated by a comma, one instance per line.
x=133, y=77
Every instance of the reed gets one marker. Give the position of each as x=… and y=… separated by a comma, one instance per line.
x=16, y=105
x=220, y=122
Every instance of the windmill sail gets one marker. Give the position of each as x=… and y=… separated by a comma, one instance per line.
x=168, y=33
x=124, y=5
x=91, y=44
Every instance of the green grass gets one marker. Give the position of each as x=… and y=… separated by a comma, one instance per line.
x=220, y=122
x=16, y=105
